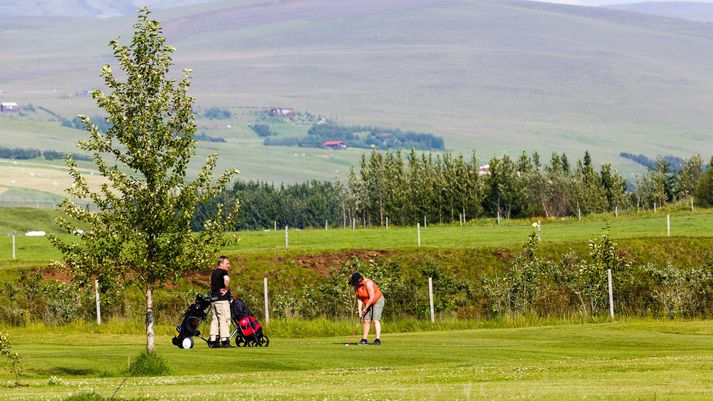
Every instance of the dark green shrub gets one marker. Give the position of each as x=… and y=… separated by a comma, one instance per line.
x=148, y=364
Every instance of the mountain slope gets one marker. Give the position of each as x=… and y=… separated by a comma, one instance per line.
x=688, y=10
x=492, y=75
x=81, y=8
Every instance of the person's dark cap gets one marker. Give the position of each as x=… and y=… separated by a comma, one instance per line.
x=354, y=280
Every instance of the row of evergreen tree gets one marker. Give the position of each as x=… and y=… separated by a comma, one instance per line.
x=32, y=153
x=445, y=188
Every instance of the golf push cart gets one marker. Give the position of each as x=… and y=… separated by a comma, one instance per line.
x=247, y=330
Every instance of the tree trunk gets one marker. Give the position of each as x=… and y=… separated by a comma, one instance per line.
x=149, y=320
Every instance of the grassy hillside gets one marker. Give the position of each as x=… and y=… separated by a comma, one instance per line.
x=488, y=75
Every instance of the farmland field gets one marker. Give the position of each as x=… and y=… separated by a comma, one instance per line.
x=498, y=77
x=626, y=360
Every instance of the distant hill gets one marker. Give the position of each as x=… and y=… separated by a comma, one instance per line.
x=688, y=10
x=493, y=75
x=81, y=8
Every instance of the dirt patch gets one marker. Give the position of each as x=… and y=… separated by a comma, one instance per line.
x=321, y=263
x=503, y=254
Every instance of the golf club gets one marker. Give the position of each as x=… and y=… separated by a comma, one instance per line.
x=361, y=318
x=353, y=332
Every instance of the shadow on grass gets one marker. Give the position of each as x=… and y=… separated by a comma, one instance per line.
x=66, y=372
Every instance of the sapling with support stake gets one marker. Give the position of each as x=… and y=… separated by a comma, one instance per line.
x=138, y=230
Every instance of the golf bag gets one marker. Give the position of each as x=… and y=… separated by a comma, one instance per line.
x=248, y=330
x=192, y=319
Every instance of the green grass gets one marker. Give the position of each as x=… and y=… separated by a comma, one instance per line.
x=476, y=235
x=628, y=360
x=24, y=219
x=483, y=233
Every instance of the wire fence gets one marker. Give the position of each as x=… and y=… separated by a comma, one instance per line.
x=31, y=204
x=42, y=204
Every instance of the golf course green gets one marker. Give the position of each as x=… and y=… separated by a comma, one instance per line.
x=621, y=360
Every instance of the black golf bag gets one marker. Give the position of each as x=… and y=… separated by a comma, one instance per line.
x=192, y=319
x=248, y=331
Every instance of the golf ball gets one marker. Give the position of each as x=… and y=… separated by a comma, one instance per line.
x=346, y=345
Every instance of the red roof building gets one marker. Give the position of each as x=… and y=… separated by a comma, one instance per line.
x=334, y=144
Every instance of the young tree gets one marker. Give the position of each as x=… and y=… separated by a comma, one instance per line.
x=141, y=232
x=704, y=188
x=688, y=178
x=13, y=358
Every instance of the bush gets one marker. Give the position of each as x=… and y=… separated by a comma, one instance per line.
x=262, y=130
x=216, y=113
x=148, y=364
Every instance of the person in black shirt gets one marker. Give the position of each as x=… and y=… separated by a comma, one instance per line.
x=220, y=301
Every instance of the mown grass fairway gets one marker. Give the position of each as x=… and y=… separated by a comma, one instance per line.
x=630, y=360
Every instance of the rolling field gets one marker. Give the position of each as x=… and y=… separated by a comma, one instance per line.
x=40, y=180
x=487, y=75
x=628, y=360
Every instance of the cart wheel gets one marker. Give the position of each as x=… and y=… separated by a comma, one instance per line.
x=264, y=341
x=187, y=343
x=252, y=342
x=240, y=342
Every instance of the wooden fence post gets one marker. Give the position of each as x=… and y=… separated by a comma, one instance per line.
x=267, y=305
x=611, y=294
x=430, y=297
x=668, y=225
x=418, y=233
x=96, y=298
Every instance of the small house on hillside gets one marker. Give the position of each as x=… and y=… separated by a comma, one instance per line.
x=281, y=112
x=9, y=106
x=334, y=145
